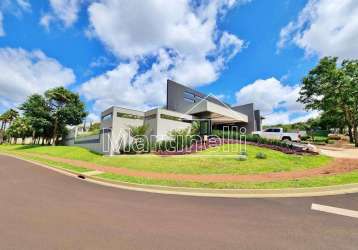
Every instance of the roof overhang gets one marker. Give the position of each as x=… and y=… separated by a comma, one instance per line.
x=217, y=113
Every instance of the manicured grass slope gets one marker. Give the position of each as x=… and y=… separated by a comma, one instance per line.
x=82, y=154
x=220, y=160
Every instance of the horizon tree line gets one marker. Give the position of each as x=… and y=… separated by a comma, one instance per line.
x=43, y=117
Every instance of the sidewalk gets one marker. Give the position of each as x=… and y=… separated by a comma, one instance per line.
x=339, y=152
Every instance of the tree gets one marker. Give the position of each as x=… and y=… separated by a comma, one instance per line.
x=3, y=121
x=330, y=88
x=66, y=108
x=8, y=117
x=95, y=127
x=20, y=128
x=350, y=69
x=37, y=111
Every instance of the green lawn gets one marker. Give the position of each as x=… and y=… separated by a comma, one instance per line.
x=210, y=161
x=220, y=160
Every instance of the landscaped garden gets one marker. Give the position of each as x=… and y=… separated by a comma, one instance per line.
x=217, y=167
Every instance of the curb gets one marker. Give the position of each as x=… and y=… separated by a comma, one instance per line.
x=203, y=192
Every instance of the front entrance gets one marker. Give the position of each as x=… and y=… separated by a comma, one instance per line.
x=205, y=127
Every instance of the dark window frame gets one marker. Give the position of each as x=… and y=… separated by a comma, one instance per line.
x=129, y=116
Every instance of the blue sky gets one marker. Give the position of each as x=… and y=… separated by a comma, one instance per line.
x=115, y=52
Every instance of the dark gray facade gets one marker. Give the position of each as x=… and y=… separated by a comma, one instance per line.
x=181, y=98
x=254, y=117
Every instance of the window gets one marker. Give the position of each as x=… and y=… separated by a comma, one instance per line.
x=170, y=117
x=189, y=100
x=107, y=117
x=129, y=116
x=268, y=130
x=189, y=95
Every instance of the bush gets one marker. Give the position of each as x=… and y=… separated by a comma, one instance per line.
x=261, y=155
x=305, y=138
x=138, y=147
x=243, y=153
x=242, y=157
x=168, y=145
x=334, y=137
x=182, y=138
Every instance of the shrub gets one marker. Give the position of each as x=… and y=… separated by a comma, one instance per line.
x=242, y=157
x=182, y=138
x=243, y=153
x=305, y=138
x=261, y=155
x=334, y=137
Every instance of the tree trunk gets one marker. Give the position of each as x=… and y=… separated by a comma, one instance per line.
x=350, y=133
x=54, y=133
x=355, y=135
x=33, y=137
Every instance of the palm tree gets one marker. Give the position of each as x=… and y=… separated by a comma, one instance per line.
x=12, y=115
x=2, y=119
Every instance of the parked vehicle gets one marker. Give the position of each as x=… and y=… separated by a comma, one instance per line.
x=278, y=134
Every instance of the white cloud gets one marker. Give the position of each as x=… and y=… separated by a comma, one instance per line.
x=326, y=28
x=179, y=40
x=93, y=118
x=124, y=87
x=24, y=73
x=46, y=20
x=64, y=10
x=24, y=4
x=15, y=8
x=276, y=100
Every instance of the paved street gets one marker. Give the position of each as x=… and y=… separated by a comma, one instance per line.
x=42, y=209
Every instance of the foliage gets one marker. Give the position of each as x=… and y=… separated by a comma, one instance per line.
x=37, y=111
x=7, y=118
x=65, y=107
x=182, y=138
x=218, y=160
x=242, y=158
x=261, y=155
x=250, y=138
x=333, y=89
x=141, y=143
x=95, y=127
x=20, y=128
x=195, y=128
x=138, y=130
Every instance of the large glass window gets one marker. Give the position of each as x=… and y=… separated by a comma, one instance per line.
x=170, y=117
x=107, y=117
x=129, y=116
x=189, y=95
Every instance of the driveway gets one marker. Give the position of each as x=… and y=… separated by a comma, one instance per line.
x=348, y=153
x=42, y=209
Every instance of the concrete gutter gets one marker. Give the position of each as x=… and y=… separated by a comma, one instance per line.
x=205, y=192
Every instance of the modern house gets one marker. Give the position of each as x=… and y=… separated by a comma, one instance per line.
x=183, y=107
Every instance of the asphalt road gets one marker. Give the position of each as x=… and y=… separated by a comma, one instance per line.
x=42, y=209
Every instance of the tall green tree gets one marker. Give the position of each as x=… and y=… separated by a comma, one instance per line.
x=8, y=117
x=37, y=111
x=20, y=128
x=66, y=108
x=330, y=88
x=350, y=69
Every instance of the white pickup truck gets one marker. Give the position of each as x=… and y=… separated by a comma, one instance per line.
x=278, y=134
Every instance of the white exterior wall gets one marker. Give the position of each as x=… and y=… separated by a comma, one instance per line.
x=120, y=135
x=165, y=126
